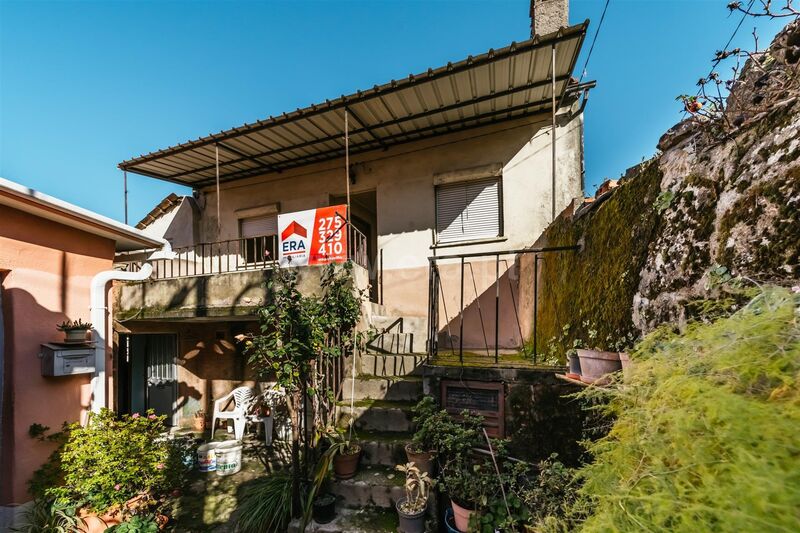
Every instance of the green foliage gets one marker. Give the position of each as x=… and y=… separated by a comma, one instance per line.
x=705, y=437
x=136, y=524
x=663, y=201
x=595, y=285
x=340, y=441
x=551, y=494
x=424, y=412
x=50, y=515
x=297, y=329
x=74, y=325
x=266, y=505
x=115, y=458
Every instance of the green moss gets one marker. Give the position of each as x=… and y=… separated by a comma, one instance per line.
x=781, y=246
x=596, y=285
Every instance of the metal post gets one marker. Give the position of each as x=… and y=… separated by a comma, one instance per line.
x=496, y=308
x=535, y=303
x=347, y=163
x=381, y=278
x=461, y=321
x=216, y=163
x=125, y=190
x=553, y=138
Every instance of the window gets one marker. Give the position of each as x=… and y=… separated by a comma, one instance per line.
x=468, y=210
x=259, y=239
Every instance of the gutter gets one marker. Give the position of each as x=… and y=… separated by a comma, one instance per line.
x=98, y=309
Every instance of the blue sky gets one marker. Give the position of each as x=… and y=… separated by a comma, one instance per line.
x=85, y=85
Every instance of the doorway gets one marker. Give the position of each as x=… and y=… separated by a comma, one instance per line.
x=364, y=217
x=147, y=374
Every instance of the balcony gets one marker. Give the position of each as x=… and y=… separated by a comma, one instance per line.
x=215, y=280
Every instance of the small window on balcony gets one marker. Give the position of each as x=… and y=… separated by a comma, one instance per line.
x=259, y=239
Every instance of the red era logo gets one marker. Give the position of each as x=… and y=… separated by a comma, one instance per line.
x=293, y=229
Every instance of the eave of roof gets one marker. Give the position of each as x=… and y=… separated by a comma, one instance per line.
x=503, y=84
x=164, y=206
x=23, y=198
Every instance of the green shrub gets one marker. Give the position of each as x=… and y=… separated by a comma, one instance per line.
x=137, y=524
x=266, y=504
x=48, y=515
x=705, y=437
x=115, y=458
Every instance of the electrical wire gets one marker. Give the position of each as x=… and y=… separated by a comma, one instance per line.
x=594, y=40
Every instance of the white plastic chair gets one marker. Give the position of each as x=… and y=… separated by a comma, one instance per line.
x=244, y=401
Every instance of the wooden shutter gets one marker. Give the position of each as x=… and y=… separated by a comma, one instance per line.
x=468, y=211
x=257, y=227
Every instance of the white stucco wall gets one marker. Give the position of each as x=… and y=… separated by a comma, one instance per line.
x=403, y=179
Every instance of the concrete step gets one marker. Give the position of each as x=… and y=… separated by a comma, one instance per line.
x=410, y=324
x=392, y=365
x=383, y=448
x=391, y=343
x=379, y=486
x=365, y=520
x=393, y=388
x=377, y=415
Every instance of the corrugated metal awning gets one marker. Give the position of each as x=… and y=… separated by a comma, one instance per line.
x=496, y=86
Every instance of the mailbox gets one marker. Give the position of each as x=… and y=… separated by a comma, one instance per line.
x=67, y=360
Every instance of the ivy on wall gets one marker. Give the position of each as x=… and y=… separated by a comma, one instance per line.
x=593, y=289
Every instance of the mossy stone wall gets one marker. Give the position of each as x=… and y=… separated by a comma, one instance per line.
x=594, y=287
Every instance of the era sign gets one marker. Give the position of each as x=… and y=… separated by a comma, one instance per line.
x=313, y=237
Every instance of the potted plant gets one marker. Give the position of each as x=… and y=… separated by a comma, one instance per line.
x=411, y=508
x=199, y=420
x=324, y=508
x=420, y=450
x=345, y=451
x=459, y=479
x=74, y=331
x=595, y=362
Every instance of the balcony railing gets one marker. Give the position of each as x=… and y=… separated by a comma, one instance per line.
x=233, y=255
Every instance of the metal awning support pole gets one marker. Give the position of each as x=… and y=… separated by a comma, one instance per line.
x=125, y=192
x=347, y=165
x=553, y=138
x=216, y=165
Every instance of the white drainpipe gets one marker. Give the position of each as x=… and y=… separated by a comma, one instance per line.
x=98, y=318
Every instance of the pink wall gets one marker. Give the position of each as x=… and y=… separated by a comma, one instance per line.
x=46, y=271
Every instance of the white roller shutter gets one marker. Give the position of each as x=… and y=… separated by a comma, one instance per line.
x=257, y=227
x=468, y=211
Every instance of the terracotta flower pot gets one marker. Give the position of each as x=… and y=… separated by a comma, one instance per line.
x=595, y=365
x=461, y=516
x=423, y=460
x=94, y=523
x=199, y=423
x=75, y=335
x=625, y=361
x=345, y=465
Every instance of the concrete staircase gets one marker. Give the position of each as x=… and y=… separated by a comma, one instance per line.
x=388, y=382
x=379, y=403
x=397, y=335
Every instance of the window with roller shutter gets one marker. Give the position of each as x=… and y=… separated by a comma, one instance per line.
x=469, y=211
x=259, y=236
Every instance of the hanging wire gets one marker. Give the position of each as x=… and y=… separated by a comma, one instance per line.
x=594, y=40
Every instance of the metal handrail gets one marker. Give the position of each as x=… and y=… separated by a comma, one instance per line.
x=435, y=289
x=231, y=255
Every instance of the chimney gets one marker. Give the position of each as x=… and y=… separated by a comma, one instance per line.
x=548, y=16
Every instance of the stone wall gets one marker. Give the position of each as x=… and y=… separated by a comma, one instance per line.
x=719, y=201
x=541, y=416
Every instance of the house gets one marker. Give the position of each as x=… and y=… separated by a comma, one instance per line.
x=457, y=162
x=51, y=255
